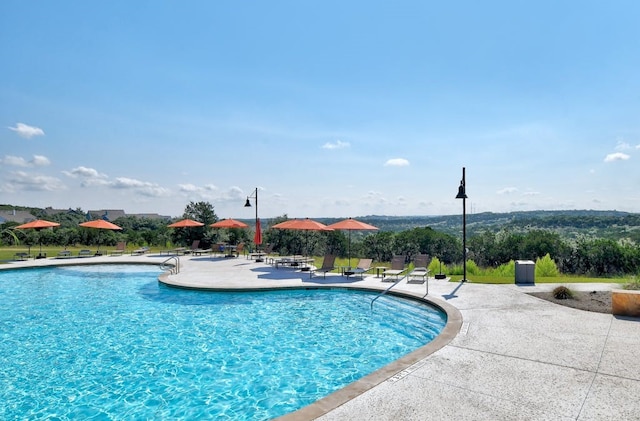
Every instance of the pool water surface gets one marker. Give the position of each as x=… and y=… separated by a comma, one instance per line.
x=111, y=342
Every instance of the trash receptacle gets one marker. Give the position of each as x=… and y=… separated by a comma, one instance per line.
x=525, y=272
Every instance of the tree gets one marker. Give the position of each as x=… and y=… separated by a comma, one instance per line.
x=202, y=212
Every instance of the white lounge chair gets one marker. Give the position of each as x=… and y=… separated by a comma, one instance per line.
x=397, y=268
x=420, y=272
x=364, y=266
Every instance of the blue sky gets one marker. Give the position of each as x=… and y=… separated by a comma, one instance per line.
x=329, y=108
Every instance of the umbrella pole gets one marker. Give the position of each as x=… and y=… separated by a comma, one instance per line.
x=349, y=249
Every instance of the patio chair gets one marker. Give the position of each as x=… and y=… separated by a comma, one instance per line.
x=120, y=248
x=260, y=254
x=22, y=255
x=328, y=264
x=364, y=266
x=64, y=254
x=397, y=268
x=420, y=272
x=141, y=250
x=85, y=253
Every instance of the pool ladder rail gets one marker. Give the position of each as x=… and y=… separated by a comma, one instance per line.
x=173, y=268
x=394, y=284
x=385, y=291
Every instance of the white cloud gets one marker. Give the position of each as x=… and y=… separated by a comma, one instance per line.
x=21, y=180
x=337, y=145
x=622, y=146
x=17, y=161
x=154, y=191
x=26, y=131
x=188, y=188
x=616, y=156
x=507, y=190
x=128, y=183
x=40, y=161
x=397, y=162
x=84, y=172
x=531, y=193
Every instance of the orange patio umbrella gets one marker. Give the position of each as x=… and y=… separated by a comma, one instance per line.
x=100, y=224
x=186, y=223
x=351, y=224
x=229, y=223
x=303, y=225
x=37, y=225
x=257, y=237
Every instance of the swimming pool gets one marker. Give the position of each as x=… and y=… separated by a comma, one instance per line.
x=110, y=342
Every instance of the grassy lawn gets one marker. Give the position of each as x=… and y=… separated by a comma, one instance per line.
x=480, y=279
x=8, y=253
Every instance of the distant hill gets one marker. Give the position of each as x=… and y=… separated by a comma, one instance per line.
x=569, y=224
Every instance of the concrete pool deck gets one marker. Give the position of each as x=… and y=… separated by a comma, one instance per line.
x=514, y=356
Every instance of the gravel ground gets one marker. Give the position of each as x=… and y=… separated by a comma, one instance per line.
x=598, y=301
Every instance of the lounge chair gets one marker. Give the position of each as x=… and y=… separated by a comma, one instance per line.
x=85, y=253
x=420, y=272
x=21, y=255
x=260, y=254
x=120, y=248
x=64, y=254
x=141, y=250
x=239, y=249
x=328, y=264
x=364, y=266
x=397, y=268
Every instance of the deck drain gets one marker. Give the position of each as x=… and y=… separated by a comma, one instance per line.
x=404, y=373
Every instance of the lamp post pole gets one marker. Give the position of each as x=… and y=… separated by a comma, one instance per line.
x=462, y=194
x=248, y=205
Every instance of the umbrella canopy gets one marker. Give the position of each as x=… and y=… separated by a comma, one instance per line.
x=229, y=223
x=186, y=223
x=37, y=225
x=257, y=238
x=302, y=224
x=351, y=224
x=100, y=224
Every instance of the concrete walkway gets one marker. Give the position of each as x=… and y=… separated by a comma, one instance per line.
x=515, y=357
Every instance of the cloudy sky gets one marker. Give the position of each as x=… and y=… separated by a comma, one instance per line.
x=328, y=108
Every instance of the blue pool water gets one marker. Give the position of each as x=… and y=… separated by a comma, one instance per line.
x=109, y=342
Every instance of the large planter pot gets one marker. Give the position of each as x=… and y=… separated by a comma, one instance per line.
x=625, y=303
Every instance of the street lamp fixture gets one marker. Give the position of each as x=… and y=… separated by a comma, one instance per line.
x=462, y=194
x=247, y=204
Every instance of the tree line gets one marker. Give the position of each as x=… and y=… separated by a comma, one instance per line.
x=488, y=249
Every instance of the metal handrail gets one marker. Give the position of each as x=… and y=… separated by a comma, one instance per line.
x=385, y=291
x=173, y=268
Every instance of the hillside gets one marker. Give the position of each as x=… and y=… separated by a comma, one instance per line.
x=569, y=224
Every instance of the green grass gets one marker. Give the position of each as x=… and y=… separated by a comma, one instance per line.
x=7, y=253
x=480, y=279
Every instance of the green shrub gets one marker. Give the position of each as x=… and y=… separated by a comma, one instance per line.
x=434, y=266
x=634, y=283
x=562, y=293
x=505, y=269
x=546, y=267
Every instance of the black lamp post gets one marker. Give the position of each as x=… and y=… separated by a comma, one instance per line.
x=462, y=194
x=248, y=205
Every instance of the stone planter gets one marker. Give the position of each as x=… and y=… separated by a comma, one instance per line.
x=625, y=303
